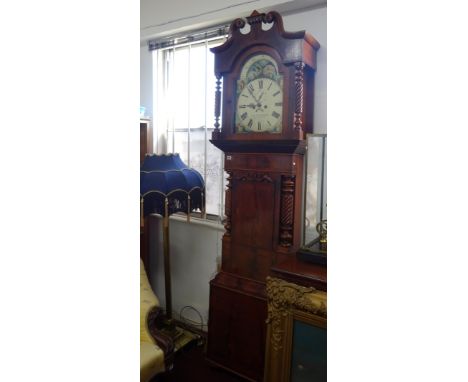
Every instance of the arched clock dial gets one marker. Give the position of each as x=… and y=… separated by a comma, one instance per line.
x=259, y=106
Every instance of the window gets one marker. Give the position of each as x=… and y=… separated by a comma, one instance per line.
x=184, y=92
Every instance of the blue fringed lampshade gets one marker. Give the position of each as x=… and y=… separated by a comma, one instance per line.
x=168, y=186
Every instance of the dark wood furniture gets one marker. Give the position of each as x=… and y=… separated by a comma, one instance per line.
x=146, y=147
x=302, y=273
x=264, y=200
x=165, y=342
x=146, y=138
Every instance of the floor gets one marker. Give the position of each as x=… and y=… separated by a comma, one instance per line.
x=190, y=365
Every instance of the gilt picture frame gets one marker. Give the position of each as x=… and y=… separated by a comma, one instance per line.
x=294, y=309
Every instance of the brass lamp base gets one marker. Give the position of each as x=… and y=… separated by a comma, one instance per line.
x=181, y=337
x=184, y=338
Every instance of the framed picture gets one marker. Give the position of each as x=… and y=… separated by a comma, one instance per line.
x=296, y=349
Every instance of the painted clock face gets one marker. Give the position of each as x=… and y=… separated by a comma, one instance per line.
x=259, y=106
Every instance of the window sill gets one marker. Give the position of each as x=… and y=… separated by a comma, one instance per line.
x=194, y=220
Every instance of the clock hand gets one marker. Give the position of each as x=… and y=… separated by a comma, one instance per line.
x=259, y=105
x=251, y=93
x=251, y=105
x=259, y=98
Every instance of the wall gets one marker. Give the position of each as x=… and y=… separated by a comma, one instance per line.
x=195, y=253
x=195, y=247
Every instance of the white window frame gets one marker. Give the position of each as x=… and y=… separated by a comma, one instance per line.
x=161, y=126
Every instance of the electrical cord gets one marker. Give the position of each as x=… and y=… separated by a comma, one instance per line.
x=187, y=320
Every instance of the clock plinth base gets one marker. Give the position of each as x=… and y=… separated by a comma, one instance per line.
x=237, y=330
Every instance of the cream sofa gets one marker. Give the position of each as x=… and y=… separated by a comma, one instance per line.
x=156, y=349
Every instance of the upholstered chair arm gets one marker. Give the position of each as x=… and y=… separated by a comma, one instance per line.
x=155, y=317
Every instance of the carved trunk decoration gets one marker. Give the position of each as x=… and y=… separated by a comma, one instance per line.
x=287, y=211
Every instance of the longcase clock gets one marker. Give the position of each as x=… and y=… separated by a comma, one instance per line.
x=265, y=79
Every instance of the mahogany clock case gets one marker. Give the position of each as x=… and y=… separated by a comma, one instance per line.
x=263, y=228
x=264, y=190
x=263, y=212
x=295, y=55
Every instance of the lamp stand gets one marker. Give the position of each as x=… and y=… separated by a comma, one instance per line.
x=167, y=269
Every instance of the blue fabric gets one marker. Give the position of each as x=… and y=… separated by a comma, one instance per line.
x=164, y=176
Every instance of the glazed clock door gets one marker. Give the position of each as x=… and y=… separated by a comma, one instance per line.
x=259, y=104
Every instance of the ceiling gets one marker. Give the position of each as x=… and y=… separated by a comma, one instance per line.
x=160, y=18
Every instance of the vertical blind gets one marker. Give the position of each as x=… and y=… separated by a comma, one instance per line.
x=184, y=85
